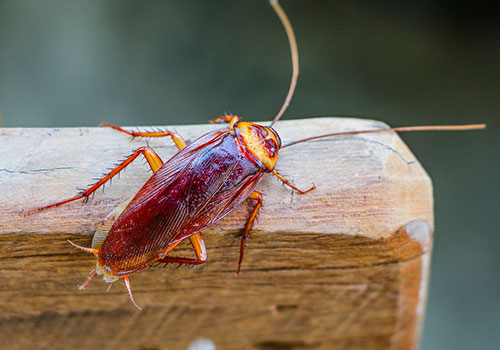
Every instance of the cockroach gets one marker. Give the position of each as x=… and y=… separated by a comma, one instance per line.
x=198, y=186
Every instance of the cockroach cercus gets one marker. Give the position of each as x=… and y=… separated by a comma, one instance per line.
x=203, y=182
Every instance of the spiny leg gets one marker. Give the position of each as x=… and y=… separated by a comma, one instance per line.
x=129, y=291
x=179, y=141
x=153, y=159
x=199, y=248
x=253, y=215
x=288, y=183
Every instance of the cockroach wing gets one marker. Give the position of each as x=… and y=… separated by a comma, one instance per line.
x=194, y=189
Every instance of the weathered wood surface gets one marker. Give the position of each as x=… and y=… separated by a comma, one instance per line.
x=343, y=267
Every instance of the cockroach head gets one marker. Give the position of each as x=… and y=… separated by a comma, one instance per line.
x=259, y=142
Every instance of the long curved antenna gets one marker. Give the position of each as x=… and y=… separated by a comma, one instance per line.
x=295, y=56
x=404, y=128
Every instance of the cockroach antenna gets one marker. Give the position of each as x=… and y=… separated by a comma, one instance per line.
x=295, y=57
x=403, y=128
x=295, y=73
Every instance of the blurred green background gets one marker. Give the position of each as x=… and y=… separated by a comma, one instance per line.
x=128, y=62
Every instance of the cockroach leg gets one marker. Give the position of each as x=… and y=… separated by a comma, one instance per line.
x=154, y=162
x=179, y=141
x=93, y=273
x=253, y=215
x=129, y=291
x=198, y=244
x=199, y=248
x=231, y=119
x=288, y=183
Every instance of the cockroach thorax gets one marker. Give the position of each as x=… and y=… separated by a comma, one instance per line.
x=261, y=143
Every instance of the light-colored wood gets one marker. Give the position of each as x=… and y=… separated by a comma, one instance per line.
x=342, y=267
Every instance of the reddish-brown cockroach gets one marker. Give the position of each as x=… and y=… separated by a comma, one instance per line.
x=198, y=186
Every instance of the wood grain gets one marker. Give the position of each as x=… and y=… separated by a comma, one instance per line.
x=342, y=267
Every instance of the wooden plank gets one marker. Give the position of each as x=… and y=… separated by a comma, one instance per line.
x=342, y=267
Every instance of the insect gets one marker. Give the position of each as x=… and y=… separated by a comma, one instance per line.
x=198, y=186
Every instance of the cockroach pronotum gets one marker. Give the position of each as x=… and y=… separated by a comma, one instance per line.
x=198, y=186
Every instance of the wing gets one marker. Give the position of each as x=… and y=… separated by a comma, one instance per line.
x=194, y=189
